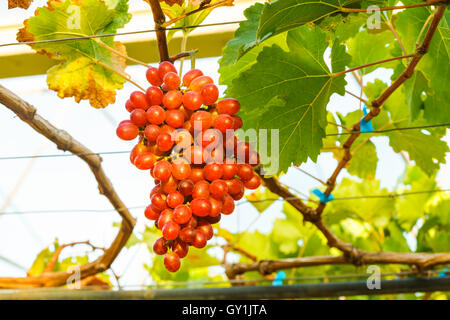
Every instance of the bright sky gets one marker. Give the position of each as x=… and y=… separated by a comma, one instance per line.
x=67, y=183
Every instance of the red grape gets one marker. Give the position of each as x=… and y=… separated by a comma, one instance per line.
x=174, y=199
x=172, y=262
x=159, y=201
x=172, y=99
x=162, y=170
x=152, y=132
x=127, y=131
x=138, y=117
x=228, y=106
x=223, y=123
x=199, y=240
x=160, y=247
x=213, y=171
x=129, y=106
x=165, y=67
x=154, y=96
x=182, y=214
x=200, y=207
x=199, y=83
x=145, y=161
x=172, y=80
x=170, y=230
x=253, y=183
x=186, y=187
x=201, y=120
x=150, y=213
x=218, y=188
x=205, y=228
x=201, y=190
x=180, y=248
x=187, y=234
x=210, y=93
x=174, y=118
x=139, y=100
x=181, y=169
x=156, y=115
x=191, y=75
x=192, y=100
x=153, y=76
x=245, y=172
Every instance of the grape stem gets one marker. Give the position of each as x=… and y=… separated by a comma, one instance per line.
x=159, y=19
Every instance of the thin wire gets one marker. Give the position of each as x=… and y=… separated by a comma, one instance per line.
x=123, y=152
x=118, y=34
x=392, y=195
x=67, y=211
x=63, y=155
x=393, y=129
x=310, y=175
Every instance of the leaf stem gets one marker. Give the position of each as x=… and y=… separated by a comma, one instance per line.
x=340, y=125
x=183, y=49
x=367, y=103
x=394, y=32
x=122, y=74
x=373, y=63
x=423, y=29
x=104, y=45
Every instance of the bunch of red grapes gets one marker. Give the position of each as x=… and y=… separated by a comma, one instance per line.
x=187, y=141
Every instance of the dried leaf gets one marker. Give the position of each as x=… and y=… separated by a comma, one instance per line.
x=24, y=4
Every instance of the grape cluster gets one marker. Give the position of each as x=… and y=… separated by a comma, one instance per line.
x=187, y=141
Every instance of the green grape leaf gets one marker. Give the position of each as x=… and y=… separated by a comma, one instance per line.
x=343, y=27
x=435, y=65
x=284, y=15
x=416, y=143
x=339, y=57
x=286, y=236
x=85, y=68
x=439, y=206
x=258, y=244
x=395, y=241
x=261, y=200
x=374, y=211
x=413, y=89
x=175, y=10
x=235, y=57
x=289, y=91
x=410, y=208
x=364, y=159
x=360, y=47
x=40, y=262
